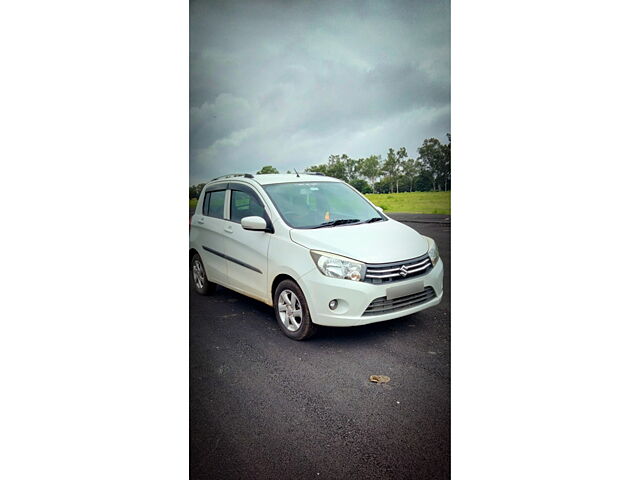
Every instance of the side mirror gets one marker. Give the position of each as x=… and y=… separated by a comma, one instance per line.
x=254, y=223
x=380, y=209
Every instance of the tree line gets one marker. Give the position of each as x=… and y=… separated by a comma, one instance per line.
x=429, y=171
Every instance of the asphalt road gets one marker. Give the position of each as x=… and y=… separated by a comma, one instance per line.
x=264, y=406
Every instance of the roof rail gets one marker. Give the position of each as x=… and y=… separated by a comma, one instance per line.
x=314, y=173
x=231, y=175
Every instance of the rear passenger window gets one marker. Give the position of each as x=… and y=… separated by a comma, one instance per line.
x=245, y=205
x=214, y=204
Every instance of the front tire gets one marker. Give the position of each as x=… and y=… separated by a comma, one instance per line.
x=200, y=281
x=292, y=312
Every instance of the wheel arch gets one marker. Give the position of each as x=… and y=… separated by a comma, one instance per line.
x=279, y=278
x=192, y=252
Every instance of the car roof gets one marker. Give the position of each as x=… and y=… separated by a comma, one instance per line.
x=268, y=179
x=291, y=178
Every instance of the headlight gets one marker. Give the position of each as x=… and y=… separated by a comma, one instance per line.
x=335, y=266
x=433, y=253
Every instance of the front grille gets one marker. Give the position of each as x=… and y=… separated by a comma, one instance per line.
x=382, y=305
x=389, y=272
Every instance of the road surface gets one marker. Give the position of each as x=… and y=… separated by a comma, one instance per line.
x=264, y=406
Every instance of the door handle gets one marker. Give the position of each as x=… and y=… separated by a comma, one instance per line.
x=228, y=229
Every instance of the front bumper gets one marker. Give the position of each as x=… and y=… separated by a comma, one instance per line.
x=354, y=297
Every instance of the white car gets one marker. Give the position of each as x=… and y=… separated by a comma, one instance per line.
x=312, y=247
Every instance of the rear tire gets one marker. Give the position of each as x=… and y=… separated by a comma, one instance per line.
x=199, y=277
x=292, y=311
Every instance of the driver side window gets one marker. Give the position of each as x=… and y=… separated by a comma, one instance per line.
x=244, y=204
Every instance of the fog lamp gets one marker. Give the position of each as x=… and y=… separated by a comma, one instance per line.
x=333, y=304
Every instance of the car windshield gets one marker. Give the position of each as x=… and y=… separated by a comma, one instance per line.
x=320, y=204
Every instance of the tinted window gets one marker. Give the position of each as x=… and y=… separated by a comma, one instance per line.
x=214, y=204
x=245, y=205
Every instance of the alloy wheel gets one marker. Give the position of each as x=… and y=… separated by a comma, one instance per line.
x=198, y=273
x=290, y=310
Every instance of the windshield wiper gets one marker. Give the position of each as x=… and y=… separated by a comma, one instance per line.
x=340, y=221
x=374, y=219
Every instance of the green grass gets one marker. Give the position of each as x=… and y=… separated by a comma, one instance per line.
x=414, y=202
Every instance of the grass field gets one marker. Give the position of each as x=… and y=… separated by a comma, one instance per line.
x=414, y=202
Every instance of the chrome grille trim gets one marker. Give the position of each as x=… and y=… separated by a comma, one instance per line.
x=424, y=262
x=389, y=272
x=381, y=305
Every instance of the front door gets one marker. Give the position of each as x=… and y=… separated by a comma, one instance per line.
x=247, y=251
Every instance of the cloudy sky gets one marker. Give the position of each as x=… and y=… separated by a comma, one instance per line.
x=288, y=83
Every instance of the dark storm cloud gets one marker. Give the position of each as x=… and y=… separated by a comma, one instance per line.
x=289, y=83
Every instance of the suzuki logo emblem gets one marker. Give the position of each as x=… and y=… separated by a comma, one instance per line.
x=403, y=271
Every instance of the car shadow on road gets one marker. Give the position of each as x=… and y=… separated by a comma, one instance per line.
x=397, y=327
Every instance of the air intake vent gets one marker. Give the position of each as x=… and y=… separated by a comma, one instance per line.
x=381, y=305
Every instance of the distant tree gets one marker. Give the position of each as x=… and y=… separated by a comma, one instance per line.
x=423, y=182
x=351, y=168
x=400, y=155
x=267, y=169
x=369, y=168
x=337, y=168
x=432, y=157
x=431, y=170
x=322, y=168
x=194, y=190
x=447, y=163
x=361, y=185
x=385, y=185
x=391, y=167
x=410, y=169
x=289, y=171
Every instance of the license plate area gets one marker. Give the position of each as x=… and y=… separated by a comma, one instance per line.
x=403, y=290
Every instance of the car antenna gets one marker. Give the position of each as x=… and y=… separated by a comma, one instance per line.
x=297, y=174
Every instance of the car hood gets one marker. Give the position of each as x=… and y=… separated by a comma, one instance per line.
x=378, y=242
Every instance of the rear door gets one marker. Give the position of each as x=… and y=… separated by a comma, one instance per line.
x=211, y=236
x=247, y=251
